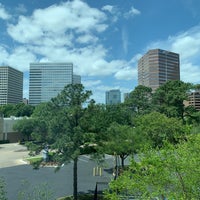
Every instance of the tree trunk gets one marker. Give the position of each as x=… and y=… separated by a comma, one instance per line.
x=75, y=177
x=122, y=161
x=122, y=158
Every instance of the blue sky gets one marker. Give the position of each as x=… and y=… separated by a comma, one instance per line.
x=103, y=38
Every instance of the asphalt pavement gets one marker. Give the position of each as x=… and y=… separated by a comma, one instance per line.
x=21, y=177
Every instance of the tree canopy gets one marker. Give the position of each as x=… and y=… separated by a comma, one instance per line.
x=157, y=128
x=171, y=172
x=169, y=98
x=139, y=100
x=63, y=132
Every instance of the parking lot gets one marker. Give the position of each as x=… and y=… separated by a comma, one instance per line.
x=15, y=172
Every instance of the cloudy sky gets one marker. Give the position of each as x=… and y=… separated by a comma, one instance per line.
x=103, y=38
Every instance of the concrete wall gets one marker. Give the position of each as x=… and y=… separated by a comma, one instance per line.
x=6, y=129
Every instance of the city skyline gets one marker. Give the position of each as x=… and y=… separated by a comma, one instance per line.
x=104, y=39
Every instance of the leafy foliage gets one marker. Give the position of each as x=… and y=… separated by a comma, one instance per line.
x=121, y=140
x=157, y=128
x=17, y=110
x=169, y=98
x=171, y=172
x=139, y=100
x=25, y=126
x=2, y=189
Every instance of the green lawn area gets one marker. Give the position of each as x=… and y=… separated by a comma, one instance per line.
x=83, y=197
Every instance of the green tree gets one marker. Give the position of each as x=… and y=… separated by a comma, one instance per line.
x=171, y=172
x=7, y=110
x=169, y=98
x=94, y=119
x=157, y=128
x=22, y=110
x=139, y=100
x=25, y=126
x=65, y=136
x=118, y=113
x=17, y=110
x=121, y=141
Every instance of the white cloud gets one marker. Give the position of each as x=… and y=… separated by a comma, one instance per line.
x=3, y=13
x=91, y=83
x=58, y=20
x=113, y=11
x=86, y=39
x=190, y=72
x=58, y=33
x=20, y=58
x=132, y=12
x=108, y=8
x=187, y=44
x=21, y=8
x=127, y=73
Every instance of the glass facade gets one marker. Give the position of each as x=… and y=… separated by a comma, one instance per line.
x=11, y=85
x=113, y=97
x=46, y=80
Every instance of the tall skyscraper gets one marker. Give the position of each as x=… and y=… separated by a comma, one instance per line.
x=48, y=79
x=113, y=97
x=11, y=85
x=158, y=66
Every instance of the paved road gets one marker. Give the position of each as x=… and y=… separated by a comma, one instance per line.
x=15, y=173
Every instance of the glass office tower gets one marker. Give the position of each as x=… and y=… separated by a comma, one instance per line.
x=11, y=85
x=48, y=79
x=158, y=66
x=113, y=97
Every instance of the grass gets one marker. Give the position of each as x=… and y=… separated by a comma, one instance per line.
x=34, y=159
x=83, y=197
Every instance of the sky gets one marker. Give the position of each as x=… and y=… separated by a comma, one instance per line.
x=102, y=38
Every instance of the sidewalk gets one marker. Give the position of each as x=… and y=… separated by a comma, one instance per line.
x=12, y=154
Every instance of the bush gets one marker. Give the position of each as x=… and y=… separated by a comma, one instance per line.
x=2, y=189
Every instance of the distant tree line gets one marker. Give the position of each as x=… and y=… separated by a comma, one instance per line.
x=17, y=110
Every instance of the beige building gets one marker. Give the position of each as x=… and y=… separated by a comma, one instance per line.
x=7, y=133
x=194, y=99
x=158, y=66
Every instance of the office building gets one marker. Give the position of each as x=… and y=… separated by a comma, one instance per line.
x=76, y=79
x=11, y=85
x=194, y=99
x=158, y=66
x=113, y=97
x=126, y=96
x=48, y=79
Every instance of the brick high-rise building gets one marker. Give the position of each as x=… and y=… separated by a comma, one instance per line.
x=158, y=66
